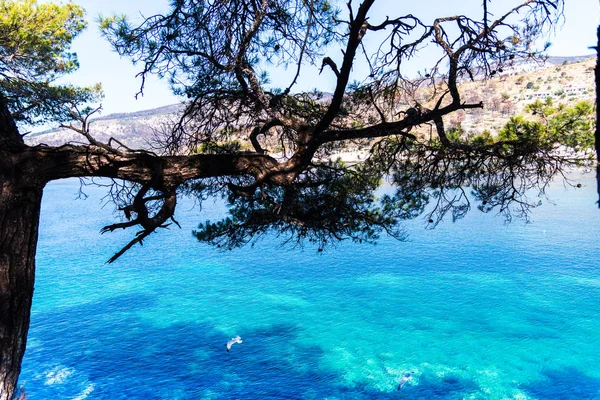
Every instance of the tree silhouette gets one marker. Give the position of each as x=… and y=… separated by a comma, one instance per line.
x=266, y=148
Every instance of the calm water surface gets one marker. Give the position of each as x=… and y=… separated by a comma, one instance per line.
x=476, y=310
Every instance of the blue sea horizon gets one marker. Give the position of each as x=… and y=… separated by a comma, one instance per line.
x=477, y=309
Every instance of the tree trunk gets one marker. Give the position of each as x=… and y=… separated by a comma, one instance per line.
x=20, y=200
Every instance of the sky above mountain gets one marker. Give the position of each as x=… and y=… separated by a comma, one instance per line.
x=99, y=63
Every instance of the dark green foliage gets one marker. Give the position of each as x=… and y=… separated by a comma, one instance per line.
x=326, y=205
x=34, y=52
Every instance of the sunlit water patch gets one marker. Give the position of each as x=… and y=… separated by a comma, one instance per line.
x=475, y=310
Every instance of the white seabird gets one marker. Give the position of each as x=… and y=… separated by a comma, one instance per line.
x=230, y=343
x=407, y=377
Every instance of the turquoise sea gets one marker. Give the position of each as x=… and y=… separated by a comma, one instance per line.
x=476, y=309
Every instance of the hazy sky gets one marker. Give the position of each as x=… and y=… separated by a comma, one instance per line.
x=100, y=64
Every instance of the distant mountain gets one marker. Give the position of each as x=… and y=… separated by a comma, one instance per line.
x=569, y=60
x=563, y=79
x=164, y=110
x=132, y=129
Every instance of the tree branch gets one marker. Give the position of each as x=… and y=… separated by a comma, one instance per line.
x=80, y=161
x=394, y=128
x=358, y=28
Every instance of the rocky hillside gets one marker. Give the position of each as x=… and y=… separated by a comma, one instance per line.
x=568, y=82
x=563, y=79
x=135, y=130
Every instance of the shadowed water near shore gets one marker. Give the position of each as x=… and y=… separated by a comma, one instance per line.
x=476, y=309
